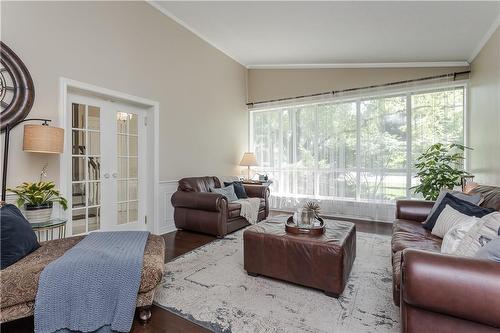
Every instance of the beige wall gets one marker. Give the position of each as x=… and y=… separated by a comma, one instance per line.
x=267, y=84
x=484, y=115
x=133, y=48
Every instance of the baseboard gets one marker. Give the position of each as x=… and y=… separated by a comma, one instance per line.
x=165, y=229
x=336, y=217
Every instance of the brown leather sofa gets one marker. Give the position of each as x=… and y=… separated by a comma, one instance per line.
x=441, y=293
x=198, y=209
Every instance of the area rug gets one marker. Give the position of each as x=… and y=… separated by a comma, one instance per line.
x=209, y=287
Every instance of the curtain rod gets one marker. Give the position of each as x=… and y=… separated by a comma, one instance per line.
x=333, y=92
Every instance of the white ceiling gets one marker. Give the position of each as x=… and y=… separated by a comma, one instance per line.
x=264, y=34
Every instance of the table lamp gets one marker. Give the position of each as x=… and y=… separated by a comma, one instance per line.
x=37, y=139
x=249, y=160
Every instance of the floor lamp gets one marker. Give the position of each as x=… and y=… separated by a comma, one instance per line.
x=37, y=139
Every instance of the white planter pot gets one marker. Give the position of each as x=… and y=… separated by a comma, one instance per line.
x=39, y=215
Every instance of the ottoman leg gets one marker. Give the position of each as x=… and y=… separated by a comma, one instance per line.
x=144, y=314
x=331, y=294
x=252, y=274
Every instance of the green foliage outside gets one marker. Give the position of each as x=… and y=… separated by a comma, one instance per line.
x=330, y=149
x=38, y=194
x=440, y=167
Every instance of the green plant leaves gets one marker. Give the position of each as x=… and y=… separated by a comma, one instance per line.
x=38, y=194
x=440, y=166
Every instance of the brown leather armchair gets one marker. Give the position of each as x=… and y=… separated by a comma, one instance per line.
x=198, y=209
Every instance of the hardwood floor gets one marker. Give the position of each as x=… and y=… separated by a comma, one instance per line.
x=162, y=321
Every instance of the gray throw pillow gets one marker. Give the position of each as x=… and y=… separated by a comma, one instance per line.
x=490, y=251
x=227, y=191
x=473, y=199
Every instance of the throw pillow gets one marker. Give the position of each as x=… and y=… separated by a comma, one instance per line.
x=490, y=251
x=227, y=191
x=485, y=230
x=456, y=234
x=17, y=237
x=474, y=199
x=462, y=206
x=239, y=189
x=448, y=218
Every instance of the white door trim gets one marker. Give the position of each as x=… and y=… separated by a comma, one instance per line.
x=153, y=112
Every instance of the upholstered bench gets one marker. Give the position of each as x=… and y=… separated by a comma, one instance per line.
x=20, y=280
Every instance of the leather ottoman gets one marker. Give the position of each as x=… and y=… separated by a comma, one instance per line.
x=322, y=262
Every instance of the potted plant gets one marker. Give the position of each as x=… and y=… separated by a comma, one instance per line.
x=440, y=167
x=38, y=199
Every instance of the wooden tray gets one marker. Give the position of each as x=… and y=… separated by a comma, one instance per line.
x=292, y=228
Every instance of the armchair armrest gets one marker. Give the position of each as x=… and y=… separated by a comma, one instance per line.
x=257, y=191
x=415, y=210
x=199, y=200
x=461, y=287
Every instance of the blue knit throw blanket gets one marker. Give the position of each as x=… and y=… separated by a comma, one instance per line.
x=93, y=286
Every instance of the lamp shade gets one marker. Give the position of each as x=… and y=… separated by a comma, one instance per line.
x=248, y=159
x=43, y=139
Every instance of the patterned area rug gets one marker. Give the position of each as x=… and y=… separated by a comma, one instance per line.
x=209, y=287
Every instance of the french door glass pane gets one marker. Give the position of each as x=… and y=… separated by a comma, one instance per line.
x=78, y=142
x=94, y=218
x=86, y=186
x=78, y=115
x=127, y=160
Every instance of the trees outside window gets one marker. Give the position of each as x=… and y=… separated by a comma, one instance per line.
x=363, y=149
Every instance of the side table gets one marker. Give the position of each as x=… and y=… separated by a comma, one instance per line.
x=49, y=228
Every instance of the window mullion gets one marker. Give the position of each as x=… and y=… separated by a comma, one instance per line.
x=408, y=145
x=358, y=150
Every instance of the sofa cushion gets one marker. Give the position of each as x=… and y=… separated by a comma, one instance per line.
x=20, y=281
x=198, y=184
x=17, y=237
x=462, y=206
x=484, y=231
x=239, y=189
x=410, y=234
x=227, y=191
x=472, y=198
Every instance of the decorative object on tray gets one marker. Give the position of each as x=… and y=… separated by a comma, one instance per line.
x=37, y=199
x=306, y=220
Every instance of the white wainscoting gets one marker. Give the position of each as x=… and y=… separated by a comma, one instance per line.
x=165, y=208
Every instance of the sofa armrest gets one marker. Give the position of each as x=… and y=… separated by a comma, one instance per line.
x=415, y=210
x=199, y=200
x=257, y=191
x=461, y=287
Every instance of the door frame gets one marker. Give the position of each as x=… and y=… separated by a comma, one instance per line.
x=152, y=109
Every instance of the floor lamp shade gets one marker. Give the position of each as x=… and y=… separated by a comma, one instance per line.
x=43, y=139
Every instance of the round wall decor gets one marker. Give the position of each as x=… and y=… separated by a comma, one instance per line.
x=17, y=92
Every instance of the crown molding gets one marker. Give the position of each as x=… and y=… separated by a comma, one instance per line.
x=167, y=13
x=363, y=65
x=494, y=26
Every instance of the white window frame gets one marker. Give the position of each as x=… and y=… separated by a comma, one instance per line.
x=407, y=92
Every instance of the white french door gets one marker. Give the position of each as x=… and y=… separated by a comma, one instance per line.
x=108, y=154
